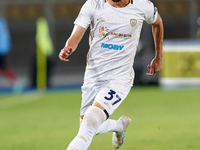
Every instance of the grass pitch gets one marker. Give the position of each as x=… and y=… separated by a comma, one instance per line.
x=162, y=120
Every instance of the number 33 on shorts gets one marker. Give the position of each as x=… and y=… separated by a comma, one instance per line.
x=113, y=97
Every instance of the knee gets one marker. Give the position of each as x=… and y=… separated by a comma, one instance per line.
x=94, y=117
x=90, y=121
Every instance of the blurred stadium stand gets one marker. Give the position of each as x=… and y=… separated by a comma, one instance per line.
x=179, y=17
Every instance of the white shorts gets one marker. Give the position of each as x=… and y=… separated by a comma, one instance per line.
x=109, y=94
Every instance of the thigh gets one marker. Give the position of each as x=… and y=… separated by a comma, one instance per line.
x=89, y=91
x=112, y=94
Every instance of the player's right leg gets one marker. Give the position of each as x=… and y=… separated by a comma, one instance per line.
x=92, y=119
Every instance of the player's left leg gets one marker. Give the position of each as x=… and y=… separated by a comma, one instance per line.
x=118, y=127
x=119, y=136
x=109, y=125
x=109, y=98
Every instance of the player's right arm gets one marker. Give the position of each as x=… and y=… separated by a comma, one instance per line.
x=72, y=43
x=81, y=23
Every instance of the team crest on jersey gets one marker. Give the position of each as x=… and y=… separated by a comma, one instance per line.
x=133, y=22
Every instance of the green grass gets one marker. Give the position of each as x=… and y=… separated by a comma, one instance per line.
x=162, y=120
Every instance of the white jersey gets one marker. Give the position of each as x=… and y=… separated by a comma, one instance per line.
x=114, y=37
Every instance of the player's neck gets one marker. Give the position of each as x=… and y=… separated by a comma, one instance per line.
x=122, y=3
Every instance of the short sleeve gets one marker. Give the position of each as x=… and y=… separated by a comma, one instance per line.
x=85, y=16
x=150, y=13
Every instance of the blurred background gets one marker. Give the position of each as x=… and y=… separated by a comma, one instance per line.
x=179, y=18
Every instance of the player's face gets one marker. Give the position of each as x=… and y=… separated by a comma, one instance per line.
x=116, y=1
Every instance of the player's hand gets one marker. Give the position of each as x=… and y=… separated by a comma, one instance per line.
x=64, y=53
x=155, y=66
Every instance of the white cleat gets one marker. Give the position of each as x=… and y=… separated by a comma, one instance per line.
x=119, y=137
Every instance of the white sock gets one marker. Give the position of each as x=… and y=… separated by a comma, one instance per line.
x=110, y=125
x=93, y=118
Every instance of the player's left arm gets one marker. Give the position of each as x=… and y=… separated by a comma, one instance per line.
x=158, y=33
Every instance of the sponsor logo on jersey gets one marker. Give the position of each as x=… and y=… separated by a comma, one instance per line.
x=104, y=32
x=111, y=46
x=133, y=22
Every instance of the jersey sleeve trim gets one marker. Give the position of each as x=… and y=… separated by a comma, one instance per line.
x=154, y=18
x=81, y=24
x=149, y=10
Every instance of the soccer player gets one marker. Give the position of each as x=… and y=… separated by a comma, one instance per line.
x=115, y=32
